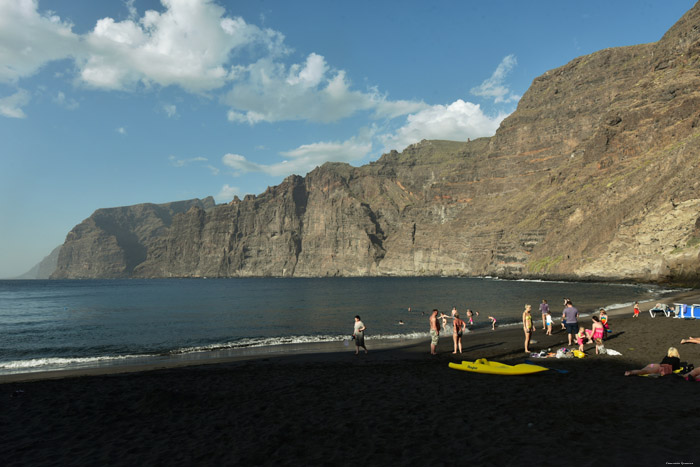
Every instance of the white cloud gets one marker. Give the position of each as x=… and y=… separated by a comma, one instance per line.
x=457, y=121
x=170, y=110
x=493, y=88
x=227, y=193
x=121, y=130
x=11, y=106
x=28, y=39
x=67, y=102
x=192, y=44
x=189, y=45
x=175, y=162
x=304, y=158
x=269, y=91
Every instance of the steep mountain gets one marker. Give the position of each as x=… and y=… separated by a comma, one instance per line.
x=596, y=175
x=113, y=241
x=45, y=268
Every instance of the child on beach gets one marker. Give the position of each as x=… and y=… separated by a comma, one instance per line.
x=548, y=320
x=597, y=333
x=636, y=310
x=493, y=323
x=470, y=315
x=604, y=320
x=581, y=337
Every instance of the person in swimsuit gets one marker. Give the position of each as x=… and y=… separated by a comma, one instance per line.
x=544, y=309
x=434, y=332
x=548, y=321
x=359, y=335
x=528, y=327
x=604, y=321
x=597, y=333
x=670, y=363
x=636, y=310
x=581, y=338
x=691, y=340
x=493, y=323
x=693, y=375
x=458, y=327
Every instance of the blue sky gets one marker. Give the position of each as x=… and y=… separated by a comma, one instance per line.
x=114, y=103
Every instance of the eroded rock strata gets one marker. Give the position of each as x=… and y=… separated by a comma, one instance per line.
x=596, y=175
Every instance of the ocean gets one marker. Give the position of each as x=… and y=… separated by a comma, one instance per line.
x=54, y=325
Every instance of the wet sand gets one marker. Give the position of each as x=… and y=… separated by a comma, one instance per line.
x=394, y=406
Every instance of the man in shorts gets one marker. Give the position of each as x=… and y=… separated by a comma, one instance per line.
x=434, y=332
x=570, y=315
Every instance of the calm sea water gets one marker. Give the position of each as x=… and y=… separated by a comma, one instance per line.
x=47, y=325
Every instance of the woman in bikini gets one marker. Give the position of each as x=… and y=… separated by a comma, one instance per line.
x=458, y=327
x=528, y=328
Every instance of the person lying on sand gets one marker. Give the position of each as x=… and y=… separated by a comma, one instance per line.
x=670, y=363
x=693, y=375
x=691, y=340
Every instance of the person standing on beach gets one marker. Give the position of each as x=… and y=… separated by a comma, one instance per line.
x=359, y=335
x=636, y=310
x=458, y=327
x=563, y=319
x=570, y=314
x=434, y=332
x=528, y=327
x=544, y=309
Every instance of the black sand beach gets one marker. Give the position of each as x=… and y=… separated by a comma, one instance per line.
x=396, y=406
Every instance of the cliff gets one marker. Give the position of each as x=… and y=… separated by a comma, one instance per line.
x=44, y=268
x=596, y=175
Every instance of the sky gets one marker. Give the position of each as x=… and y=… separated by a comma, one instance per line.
x=121, y=102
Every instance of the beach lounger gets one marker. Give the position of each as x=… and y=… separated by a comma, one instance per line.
x=696, y=311
x=684, y=311
x=663, y=309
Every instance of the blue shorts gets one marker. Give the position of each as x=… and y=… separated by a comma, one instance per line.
x=572, y=328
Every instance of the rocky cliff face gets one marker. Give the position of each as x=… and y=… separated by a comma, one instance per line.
x=113, y=242
x=44, y=268
x=596, y=175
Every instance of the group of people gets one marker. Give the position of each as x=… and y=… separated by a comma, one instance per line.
x=438, y=321
x=569, y=322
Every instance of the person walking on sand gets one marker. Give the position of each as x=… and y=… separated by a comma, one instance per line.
x=434, y=332
x=636, y=310
x=359, y=335
x=570, y=314
x=458, y=327
x=544, y=309
x=548, y=321
x=528, y=327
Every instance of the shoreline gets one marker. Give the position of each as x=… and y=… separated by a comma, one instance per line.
x=394, y=406
x=323, y=350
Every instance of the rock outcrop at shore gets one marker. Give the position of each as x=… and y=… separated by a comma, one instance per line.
x=596, y=175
